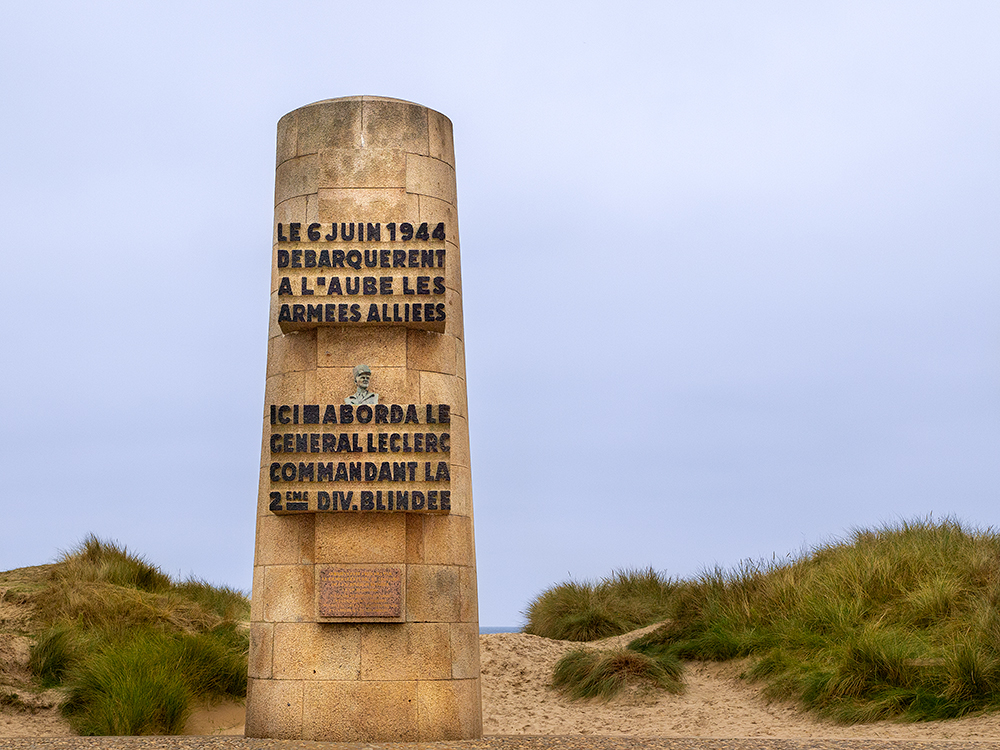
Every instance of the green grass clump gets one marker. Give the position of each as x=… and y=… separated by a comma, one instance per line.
x=584, y=612
x=584, y=673
x=144, y=682
x=96, y=560
x=132, y=649
x=55, y=652
x=225, y=602
x=131, y=686
x=898, y=622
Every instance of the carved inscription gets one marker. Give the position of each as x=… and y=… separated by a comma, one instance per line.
x=354, y=273
x=316, y=462
x=360, y=593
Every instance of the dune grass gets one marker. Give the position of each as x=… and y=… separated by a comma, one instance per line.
x=585, y=673
x=625, y=601
x=132, y=649
x=898, y=622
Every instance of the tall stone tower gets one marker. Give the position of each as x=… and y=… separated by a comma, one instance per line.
x=364, y=618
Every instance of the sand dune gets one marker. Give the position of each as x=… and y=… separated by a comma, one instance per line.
x=517, y=700
x=717, y=703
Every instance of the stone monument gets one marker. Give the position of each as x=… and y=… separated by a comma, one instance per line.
x=364, y=618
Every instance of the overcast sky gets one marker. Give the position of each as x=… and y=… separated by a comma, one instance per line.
x=731, y=269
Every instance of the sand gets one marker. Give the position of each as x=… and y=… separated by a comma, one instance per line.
x=716, y=703
x=517, y=701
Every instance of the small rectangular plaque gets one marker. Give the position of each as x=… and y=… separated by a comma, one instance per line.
x=360, y=593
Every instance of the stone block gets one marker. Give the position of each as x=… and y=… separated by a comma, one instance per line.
x=432, y=593
x=375, y=347
x=360, y=711
x=449, y=710
x=310, y=390
x=312, y=209
x=392, y=123
x=460, y=442
x=282, y=388
x=286, y=212
x=316, y=651
x=263, y=489
x=265, y=442
x=288, y=593
x=273, y=329
x=360, y=538
x=432, y=177
x=441, y=142
x=329, y=124
x=430, y=352
x=453, y=268
x=278, y=540
x=460, y=361
x=434, y=210
x=461, y=490
x=414, y=538
x=274, y=709
x=382, y=205
x=307, y=534
x=454, y=323
x=287, y=133
x=448, y=540
x=469, y=596
x=295, y=177
x=439, y=388
x=292, y=352
x=257, y=594
x=261, y=644
x=416, y=650
x=361, y=168
x=465, y=650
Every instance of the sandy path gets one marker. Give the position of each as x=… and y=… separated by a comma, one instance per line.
x=717, y=703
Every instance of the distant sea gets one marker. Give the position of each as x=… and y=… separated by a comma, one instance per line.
x=499, y=629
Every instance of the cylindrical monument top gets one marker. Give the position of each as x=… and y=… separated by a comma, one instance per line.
x=365, y=122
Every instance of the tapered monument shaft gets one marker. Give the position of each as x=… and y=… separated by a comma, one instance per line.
x=364, y=621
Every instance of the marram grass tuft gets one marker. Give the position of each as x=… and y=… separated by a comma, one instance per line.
x=585, y=612
x=584, y=673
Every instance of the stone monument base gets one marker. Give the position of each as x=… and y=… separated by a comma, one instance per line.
x=356, y=711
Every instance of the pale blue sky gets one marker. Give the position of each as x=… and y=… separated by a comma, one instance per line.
x=731, y=270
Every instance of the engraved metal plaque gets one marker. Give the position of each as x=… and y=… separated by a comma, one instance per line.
x=360, y=593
